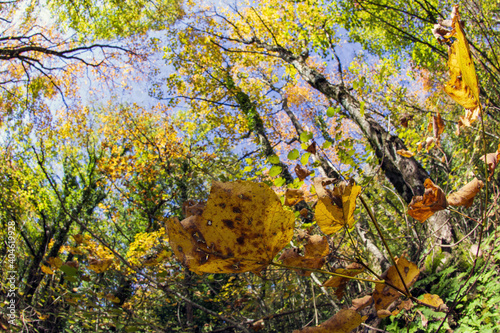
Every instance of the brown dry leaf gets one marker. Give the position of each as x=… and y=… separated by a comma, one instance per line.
x=317, y=246
x=242, y=228
x=465, y=195
x=312, y=148
x=343, y=321
x=383, y=295
x=304, y=212
x=432, y=300
x=293, y=196
x=384, y=313
x=404, y=153
x=404, y=119
x=491, y=161
x=291, y=257
x=437, y=126
x=340, y=282
x=301, y=172
x=99, y=265
x=470, y=117
x=433, y=200
x=73, y=264
x=361, y=303
x=335, y=208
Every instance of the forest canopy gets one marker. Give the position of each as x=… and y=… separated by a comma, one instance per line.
x=275, y=166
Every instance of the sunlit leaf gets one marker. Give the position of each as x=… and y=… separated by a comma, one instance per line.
x=241, y=229
x=335, y=208
x=301, y=172
x=405, y=153
x=339, y=282
x=293, y=155
x=47, y=270
x=305, y=136
x=275, y=170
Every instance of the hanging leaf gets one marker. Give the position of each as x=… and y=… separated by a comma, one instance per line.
x=404, y=119
x=361, y=303
x=293, y=155
x=343, y=321
x=241, y=229
x=433, y=200
x=326, y=145
x=437, y=126
x=275, y=170
x=335, y=208
x=312, y=148
x=341, y=282
x=99, y=265
x=491, y=161
x=47, y=270
x=293, y=196
x=383, y=295
x=317, y=246
x=292, y=257
x=465, y=195
x=305, y=158
x=305, y=136
x=330, y=112
x=301, y=172
x=274, y=159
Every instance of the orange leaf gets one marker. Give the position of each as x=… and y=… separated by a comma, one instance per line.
x=404, y=153
x=433, y=200
x=465, y=195
x=343, y=321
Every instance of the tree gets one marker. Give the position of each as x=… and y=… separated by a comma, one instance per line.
x=294, y=180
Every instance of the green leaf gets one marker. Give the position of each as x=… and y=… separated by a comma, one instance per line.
x=70, y=278
x=274, y=159
x=305, y=158
x=68, y=270
x=326, y=145
x=330, y=112
x=362, y=108
x=280, y=181
x=248, y=168
x=275, y=170
x=293, y=155
x=305, y=136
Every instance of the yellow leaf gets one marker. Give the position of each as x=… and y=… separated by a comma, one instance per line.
x=383, y=295
x=242, y=228
x=343, y=321
x=99, y=265
x=47, y=270
x=335, y=208
x=55, y=262
x=432, y=300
